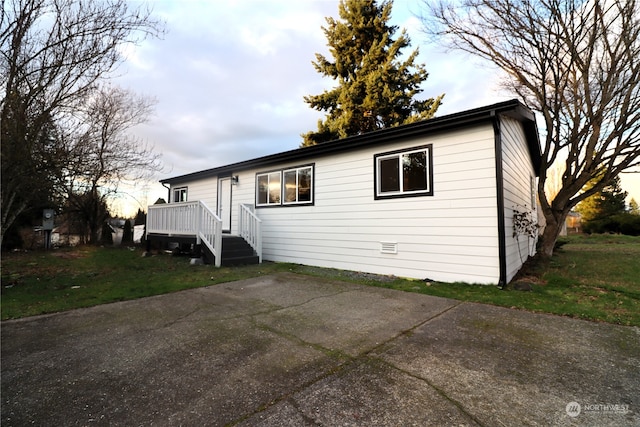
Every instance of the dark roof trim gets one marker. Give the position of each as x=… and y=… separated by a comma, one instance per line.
x=512, y=108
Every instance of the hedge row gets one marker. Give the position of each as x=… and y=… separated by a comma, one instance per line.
x=624, y=223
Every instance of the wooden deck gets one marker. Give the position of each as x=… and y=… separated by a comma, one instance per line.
x=196, y=224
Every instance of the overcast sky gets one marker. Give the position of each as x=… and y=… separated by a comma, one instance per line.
x=229, y=78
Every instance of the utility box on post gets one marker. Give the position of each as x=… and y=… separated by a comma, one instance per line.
x=48, y=217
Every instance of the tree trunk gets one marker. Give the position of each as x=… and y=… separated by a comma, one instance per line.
x=555, y=221
x=8, y=218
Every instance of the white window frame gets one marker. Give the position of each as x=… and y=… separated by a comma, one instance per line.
x=181, y=191
x=296, y=170
x=398, y=154
x=268, y=175
x=534, y=198
x=281, y=173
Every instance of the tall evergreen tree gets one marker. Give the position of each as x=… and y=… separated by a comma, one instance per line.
x=141, y=217
x=127, y=232
x=605, y=203
x=375, y=88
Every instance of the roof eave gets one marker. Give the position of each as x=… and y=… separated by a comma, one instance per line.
x=465, y=118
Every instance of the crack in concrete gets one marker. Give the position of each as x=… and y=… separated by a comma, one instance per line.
x=349, y=361
x=411, y=329
x=275, y=308
x=438, y=390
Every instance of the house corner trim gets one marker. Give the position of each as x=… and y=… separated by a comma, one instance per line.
x=502, y=243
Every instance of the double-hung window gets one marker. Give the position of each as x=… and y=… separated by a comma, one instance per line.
x=179, y=194
x=286, y=187
x=297, y=185
x=404, y=173
x=269, y=189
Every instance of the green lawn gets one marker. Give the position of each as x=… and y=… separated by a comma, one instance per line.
x=590, y=277
x=45, y=282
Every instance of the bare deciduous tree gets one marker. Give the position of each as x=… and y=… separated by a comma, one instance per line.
x=52, y=54
x=102, y=153
x=576, y=63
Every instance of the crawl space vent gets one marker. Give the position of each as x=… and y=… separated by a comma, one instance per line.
x=388, y=247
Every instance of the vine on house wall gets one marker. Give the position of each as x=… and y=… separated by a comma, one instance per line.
x=524, y=224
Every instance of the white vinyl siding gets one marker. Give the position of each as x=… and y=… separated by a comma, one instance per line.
x=449, y=236
x=518, y=177
x=204, y=190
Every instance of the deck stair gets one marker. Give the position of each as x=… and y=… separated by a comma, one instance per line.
x=236, y=251
x=194, y=223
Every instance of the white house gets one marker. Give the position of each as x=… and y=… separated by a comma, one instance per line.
x=429, y=200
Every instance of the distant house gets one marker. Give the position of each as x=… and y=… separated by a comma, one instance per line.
x=68, y=232
x=573, y=224
x=138, y=233
x=433, y=199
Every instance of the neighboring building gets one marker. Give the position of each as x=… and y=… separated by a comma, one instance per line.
x=429, y=200
x=572, y=225
x=68, y=232
x=138, y=233
x=62, y=236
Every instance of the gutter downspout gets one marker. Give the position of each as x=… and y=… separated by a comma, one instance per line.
x=502, y=241
x=168, y=192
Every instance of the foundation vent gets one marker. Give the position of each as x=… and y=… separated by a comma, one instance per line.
x=388, y=247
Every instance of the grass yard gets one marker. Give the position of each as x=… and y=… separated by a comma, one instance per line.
x=45, y=282
x=590, y=277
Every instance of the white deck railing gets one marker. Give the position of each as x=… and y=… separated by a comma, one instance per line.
x=249, y=228
x=188, y=219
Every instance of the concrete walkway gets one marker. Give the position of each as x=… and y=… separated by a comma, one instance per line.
x=290, y=350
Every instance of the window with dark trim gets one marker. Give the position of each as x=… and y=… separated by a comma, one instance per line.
x=268, y=189
x=404, y=173
x=179, y=194
x=285, y=187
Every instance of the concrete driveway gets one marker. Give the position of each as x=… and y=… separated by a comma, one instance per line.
x=290, y=350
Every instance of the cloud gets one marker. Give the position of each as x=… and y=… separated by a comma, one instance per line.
x=230, y=77
x=228, y=66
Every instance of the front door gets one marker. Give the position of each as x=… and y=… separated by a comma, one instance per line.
x=224, y=203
